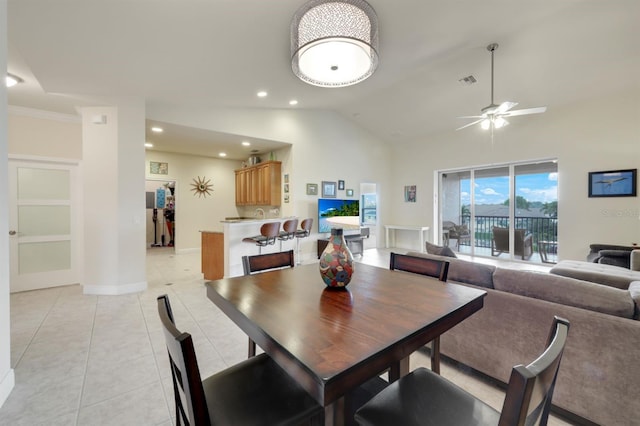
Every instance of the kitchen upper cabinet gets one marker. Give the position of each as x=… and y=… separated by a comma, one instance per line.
x=259, y=185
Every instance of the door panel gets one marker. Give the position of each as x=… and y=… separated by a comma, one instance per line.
x=43, y=224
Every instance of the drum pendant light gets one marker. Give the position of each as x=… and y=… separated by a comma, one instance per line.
x=334, y=43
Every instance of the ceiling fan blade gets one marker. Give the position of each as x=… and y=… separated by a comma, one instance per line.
x=470, y=124
x=504, y=107
x=536, y=110
x=471, y=116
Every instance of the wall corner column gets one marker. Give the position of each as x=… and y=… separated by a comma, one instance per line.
x=7, y=377
x=113, y=198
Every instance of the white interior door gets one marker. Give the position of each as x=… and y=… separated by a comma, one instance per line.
x=43, y=224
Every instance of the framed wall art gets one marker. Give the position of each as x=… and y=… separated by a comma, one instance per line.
x=410, y=194
x=349, y=192
x=156, y=168
x=341, y=185
x=328, y=189
x=613, y=183
x=312, y=189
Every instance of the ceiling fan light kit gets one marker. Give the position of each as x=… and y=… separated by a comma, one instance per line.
x=334, y=43
x=493, y=116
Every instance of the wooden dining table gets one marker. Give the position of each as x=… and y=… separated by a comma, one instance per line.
x=332, y=341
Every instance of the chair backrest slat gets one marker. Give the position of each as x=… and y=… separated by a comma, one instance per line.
x=420, y=265
x=264, y=262
x=190, y=400
x=530, y=390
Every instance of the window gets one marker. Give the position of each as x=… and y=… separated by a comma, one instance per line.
x=369, y=213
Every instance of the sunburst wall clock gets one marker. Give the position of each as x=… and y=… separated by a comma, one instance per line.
x=202, y=186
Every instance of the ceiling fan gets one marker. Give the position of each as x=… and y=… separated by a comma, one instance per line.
x=493, y=116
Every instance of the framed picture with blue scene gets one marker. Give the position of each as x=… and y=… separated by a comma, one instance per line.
x=613, y=183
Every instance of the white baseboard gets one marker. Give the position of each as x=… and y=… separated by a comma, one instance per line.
x=6, y=385
x=114, y=290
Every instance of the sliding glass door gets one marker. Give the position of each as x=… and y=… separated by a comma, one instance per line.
x=507, y=211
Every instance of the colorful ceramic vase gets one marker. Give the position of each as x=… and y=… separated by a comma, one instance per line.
x=336, y=261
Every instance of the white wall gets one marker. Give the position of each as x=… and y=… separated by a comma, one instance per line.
x=600, y=134
x=44, y=134
x=113, y=199
x=7, y=379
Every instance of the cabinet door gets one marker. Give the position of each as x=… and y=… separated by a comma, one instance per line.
x=274, y=190
x=239, y=188
x=242, y=187
x=253, y=185
x=264, y=185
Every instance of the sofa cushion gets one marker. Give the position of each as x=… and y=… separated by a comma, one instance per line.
x=565, y=290
x=464, y=271
x=609, y=275
x=439, y=250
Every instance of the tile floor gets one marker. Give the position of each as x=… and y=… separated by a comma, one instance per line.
x=101, y=360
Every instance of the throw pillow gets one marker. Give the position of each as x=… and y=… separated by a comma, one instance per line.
x=439, y=250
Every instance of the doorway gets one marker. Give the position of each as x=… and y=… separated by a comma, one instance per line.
x=506, y=211
x=369, y=213
x=161, y=204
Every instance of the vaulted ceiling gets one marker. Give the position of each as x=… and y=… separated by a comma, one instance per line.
x=219, y=53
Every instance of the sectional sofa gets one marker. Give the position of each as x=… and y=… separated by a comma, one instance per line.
x=598, y=380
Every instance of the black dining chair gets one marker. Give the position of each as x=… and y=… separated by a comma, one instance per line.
x=254, y=392
x=265, y=262
x=424, y=398
x=262, y=263
x=425, y=266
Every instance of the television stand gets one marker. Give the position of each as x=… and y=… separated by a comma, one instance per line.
x=354, y=242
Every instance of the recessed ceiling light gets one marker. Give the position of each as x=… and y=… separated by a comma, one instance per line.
x=246, y=143
x=157, y=129
x=11, y=80
x=293, y=102
x=148, y=145
x=262, y=94
x=222, y=154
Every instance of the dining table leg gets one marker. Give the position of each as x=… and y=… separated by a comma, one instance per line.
x=334, y=413
x=399, y=369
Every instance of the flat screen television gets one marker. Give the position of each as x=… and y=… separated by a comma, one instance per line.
x=336, y=213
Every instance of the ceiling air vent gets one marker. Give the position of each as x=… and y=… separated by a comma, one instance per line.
x=467, y=81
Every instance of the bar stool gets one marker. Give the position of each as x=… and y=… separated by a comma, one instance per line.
x=288, y=231
x=268, y=234
x=303, y=232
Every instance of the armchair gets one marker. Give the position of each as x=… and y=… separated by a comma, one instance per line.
x=460, y=233
x=610, y=254
x=523, y=242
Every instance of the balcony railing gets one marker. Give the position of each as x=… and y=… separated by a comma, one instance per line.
x=543, y=229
